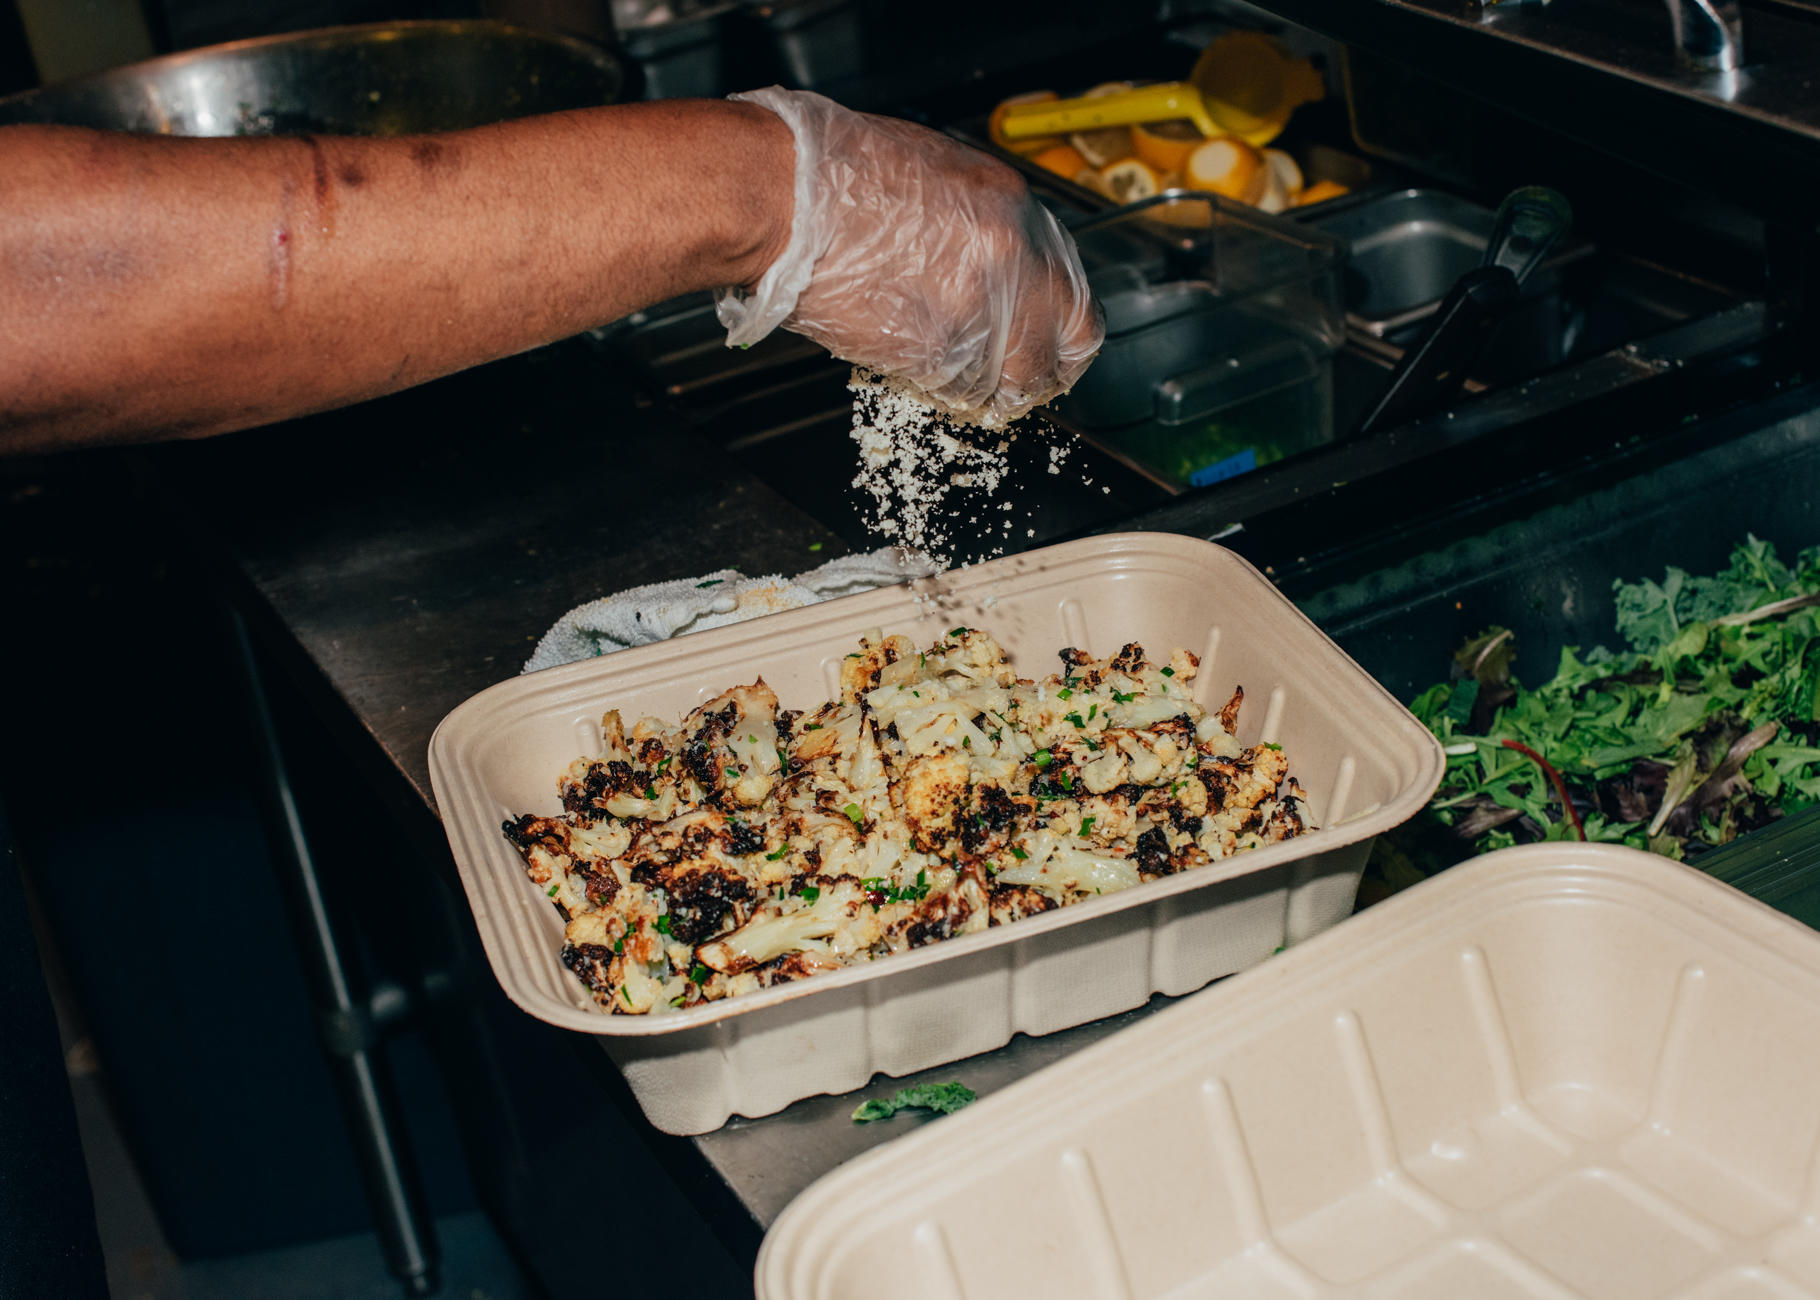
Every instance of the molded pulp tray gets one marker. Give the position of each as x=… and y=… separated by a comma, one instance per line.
x=1561, y=1071
x=1365, y=762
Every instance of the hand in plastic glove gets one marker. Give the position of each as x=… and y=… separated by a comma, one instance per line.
x=918, y=257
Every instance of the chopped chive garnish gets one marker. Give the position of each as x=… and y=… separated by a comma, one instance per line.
x=773, y=857
x=815, y=546
x=711, y=582
x=921, y=659
x=1123, y=697
x=732, y=774
x=957, y=631
x=810, y=893
x=751, y=740
x=1169, y=672
x=966, y=742
x=663, y=763
x=650, y=792
x=1065, y=780
x=699, y=973
x=627, y=996
x=813, y=726
x=679, y=999
x=1064, y=694
x=854, y=814
x=1092, y=712
x=662, y=923
x=1018, y=853
x=855, y=655
x=553, y=890
x=1087, y=825
x=619, y=944
x=1042, y=758
x=1271, y=744
x=1075, y=718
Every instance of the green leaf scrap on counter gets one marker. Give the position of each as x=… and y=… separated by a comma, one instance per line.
x=943, y=1098
x=1703, y=728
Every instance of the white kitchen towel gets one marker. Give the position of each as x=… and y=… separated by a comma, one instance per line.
x=661, y=610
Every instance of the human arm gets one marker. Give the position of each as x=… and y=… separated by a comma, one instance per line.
x=177, y=288
x=164, y=288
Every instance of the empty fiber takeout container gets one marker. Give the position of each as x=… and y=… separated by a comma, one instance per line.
x=1560, y=1071
x=1364, y=761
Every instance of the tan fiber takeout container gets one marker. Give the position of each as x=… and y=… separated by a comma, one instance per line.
x=1561, y=1071
x=1365, y=762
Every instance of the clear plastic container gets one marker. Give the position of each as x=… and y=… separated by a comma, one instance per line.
x=1221, y=325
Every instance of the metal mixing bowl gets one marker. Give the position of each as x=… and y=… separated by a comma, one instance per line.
x=375, y=79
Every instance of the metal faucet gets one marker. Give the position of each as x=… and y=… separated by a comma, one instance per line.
x=1709, y=34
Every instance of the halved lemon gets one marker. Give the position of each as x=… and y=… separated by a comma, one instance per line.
x=1165, y=145
x=1287, y=171
x=1104, y=146
x=1131, y=179
x=1227, y=166
x=1034, y=145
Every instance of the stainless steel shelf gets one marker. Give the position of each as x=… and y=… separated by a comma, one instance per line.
x=1606, y=72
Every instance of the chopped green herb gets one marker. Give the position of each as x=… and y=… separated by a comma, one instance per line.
x=1042, y=758
x=619, y=944
x=966, y=742
x=662, y=923
x=1064, y=694
x=815, y=546
x=856, y=655
x=921, y=660
x=773, y=857
x=751, y=740
x=854, y=813
x=650, y=792
x=918, y=694
x=957, y=631
x=662, y=764
x=627, y=996
x=813, y=726
x=1168, y=672
x=997, y=736
x=679, y=999
x=1018, y=853
x=732, y=773
x=1093, y=712
x=1194, y=760
x=1087, y=826
x=1123, y=697
x=943, y=1098
x=810, y=893
x=553, y=890
x=699, y=973
x=1065, y=780
x=1271, y=744
x=711, y=582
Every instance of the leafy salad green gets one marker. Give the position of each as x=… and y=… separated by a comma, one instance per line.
x=1702, y=729
x=943, y=1098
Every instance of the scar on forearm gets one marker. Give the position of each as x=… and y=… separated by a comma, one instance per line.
x=278, y=259
x=433, y=156
x=322, y=186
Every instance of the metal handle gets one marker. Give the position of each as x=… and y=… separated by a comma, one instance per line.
x=1709, y=34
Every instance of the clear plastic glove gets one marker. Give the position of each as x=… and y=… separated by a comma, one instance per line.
x=920, y=258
